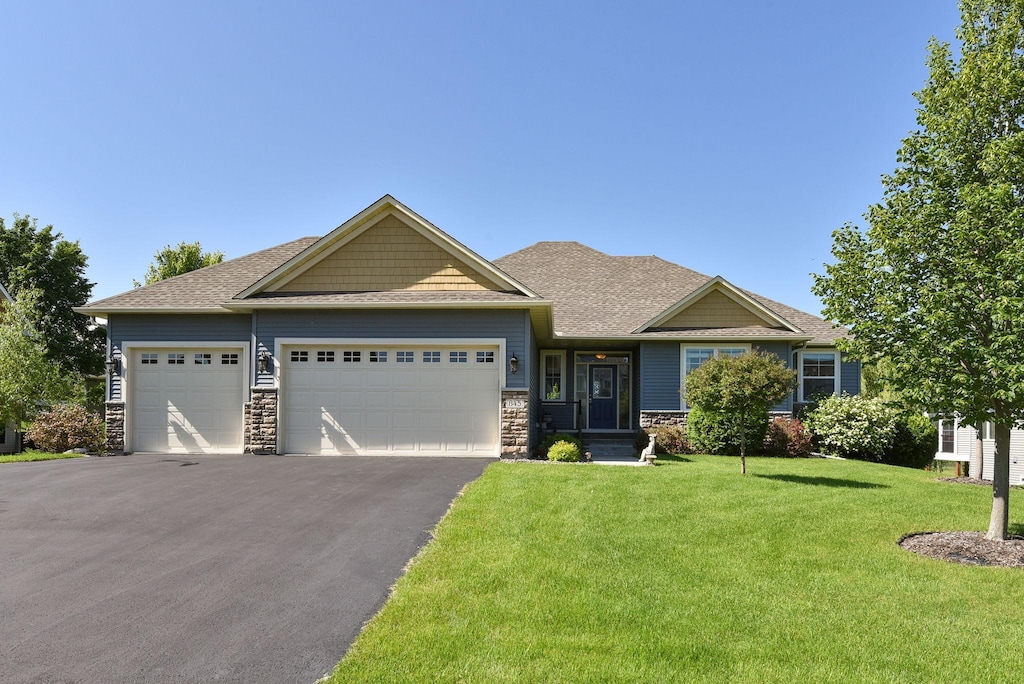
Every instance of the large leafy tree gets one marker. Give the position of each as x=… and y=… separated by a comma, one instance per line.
x=173, y=261
x=935, y=284
x=29, y=381
x=743, y=387
x=34, y=258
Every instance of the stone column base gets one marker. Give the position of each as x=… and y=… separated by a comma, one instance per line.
x=113, y=412
x=649, y=419
x=515, y=423
x=260, y=427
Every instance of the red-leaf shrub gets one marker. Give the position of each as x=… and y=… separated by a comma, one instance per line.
x=787, y=437
x=67, y=427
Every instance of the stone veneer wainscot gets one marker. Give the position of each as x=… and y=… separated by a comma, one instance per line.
x=261, y=421
x=515, y=424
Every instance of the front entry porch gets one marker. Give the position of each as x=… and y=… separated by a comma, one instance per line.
x=603, y=391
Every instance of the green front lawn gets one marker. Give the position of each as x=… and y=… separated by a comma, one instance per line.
x=34, y=456
x=691, y=572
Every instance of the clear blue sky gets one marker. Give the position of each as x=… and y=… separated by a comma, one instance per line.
x=728, y=137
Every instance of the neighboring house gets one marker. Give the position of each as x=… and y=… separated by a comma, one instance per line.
x=8, y=431
x=960, y=443
x=387, y=336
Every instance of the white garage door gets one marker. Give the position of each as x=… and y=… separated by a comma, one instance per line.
x=391, y=400
x=186, y=400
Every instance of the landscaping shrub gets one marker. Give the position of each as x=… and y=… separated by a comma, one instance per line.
x=711, y=432
x=853, y=426
x=670, y=439
x=787, y=437
x=641, y=439
x=66, y=427
x=914, y=443
x=564, y=450
x=546, y=444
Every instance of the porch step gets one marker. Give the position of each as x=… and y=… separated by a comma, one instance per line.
x=609, y=448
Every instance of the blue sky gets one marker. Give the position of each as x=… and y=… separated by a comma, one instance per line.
x=731, y=138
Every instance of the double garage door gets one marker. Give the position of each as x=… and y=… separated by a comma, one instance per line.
x=401, y=400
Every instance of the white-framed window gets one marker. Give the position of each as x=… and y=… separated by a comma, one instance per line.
x=485, y=357
x=378, y=357
x=819, y=374
x=405, y=357
x=351, y=357
x=176, y=359
x=947, y=442
x=325, y=356
x=300, y=356
x=458, y=357
x=988, y=430
x=694, y=355
x=149, y=358
x=229, y=359
x=431, y=357
x=552, y=375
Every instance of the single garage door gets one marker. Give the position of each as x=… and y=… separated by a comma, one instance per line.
x=186, y=400
x=398, y=400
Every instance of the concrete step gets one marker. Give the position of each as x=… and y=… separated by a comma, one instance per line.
x=617, y=448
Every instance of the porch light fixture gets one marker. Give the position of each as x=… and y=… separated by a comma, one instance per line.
x=263, y=361
x=601, y=357
x=513, y=365
x=111, y=364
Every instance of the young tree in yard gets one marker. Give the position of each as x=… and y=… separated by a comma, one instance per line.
x=935, y=284
x=34, y=258
x=29, y=381
x=744, y=387
x=173, y=261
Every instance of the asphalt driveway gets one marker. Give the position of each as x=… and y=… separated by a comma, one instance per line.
x=147, y=568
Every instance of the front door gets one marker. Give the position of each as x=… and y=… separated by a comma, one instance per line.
x=604, y=398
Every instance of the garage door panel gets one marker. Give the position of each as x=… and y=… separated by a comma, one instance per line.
x=393, y=405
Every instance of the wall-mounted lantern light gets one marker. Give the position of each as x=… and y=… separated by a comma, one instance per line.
x=111, y=364
x=263, y=361
x=513, y=365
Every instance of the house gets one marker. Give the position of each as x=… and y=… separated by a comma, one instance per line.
x=960, y=443
x=8, y=431
x=388, y=336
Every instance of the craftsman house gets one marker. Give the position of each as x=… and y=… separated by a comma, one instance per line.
x=388, y=336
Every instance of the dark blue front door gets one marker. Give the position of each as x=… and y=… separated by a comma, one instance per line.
x=604, y=398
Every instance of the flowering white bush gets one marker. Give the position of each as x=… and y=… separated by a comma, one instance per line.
x=853, y=426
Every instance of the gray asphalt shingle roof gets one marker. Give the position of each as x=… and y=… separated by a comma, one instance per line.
x=593, y=294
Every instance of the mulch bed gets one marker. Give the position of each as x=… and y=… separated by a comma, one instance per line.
x=967, y=548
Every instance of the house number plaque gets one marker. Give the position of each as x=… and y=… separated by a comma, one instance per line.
x=515, y=403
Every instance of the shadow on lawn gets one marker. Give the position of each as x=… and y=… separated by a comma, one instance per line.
x=673, y=458
x=825, y=481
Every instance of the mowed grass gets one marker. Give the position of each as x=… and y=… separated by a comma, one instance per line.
x=28, y=456
x=691, y=572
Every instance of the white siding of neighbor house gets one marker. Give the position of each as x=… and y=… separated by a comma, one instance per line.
x=965, y=444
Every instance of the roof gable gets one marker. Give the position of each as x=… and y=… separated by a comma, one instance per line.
x=385, y=248
x=717, y=304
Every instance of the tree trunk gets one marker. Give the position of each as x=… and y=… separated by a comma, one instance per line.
x=743, y=445
x=1000, y=485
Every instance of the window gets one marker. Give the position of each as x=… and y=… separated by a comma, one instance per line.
x=229, y=359
x=552, y=381
x=204, y=359
x=458, y=357
x=175, y=359
x=431, y=357
x=300, y=356
x=693, y=357
x=485, y=357
x=818, y=374
x=150, y=359
x=947, y=437
x=351, y=357
x=405, y=357
x=988, y=430
x=378, y=357
x=325, y=356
